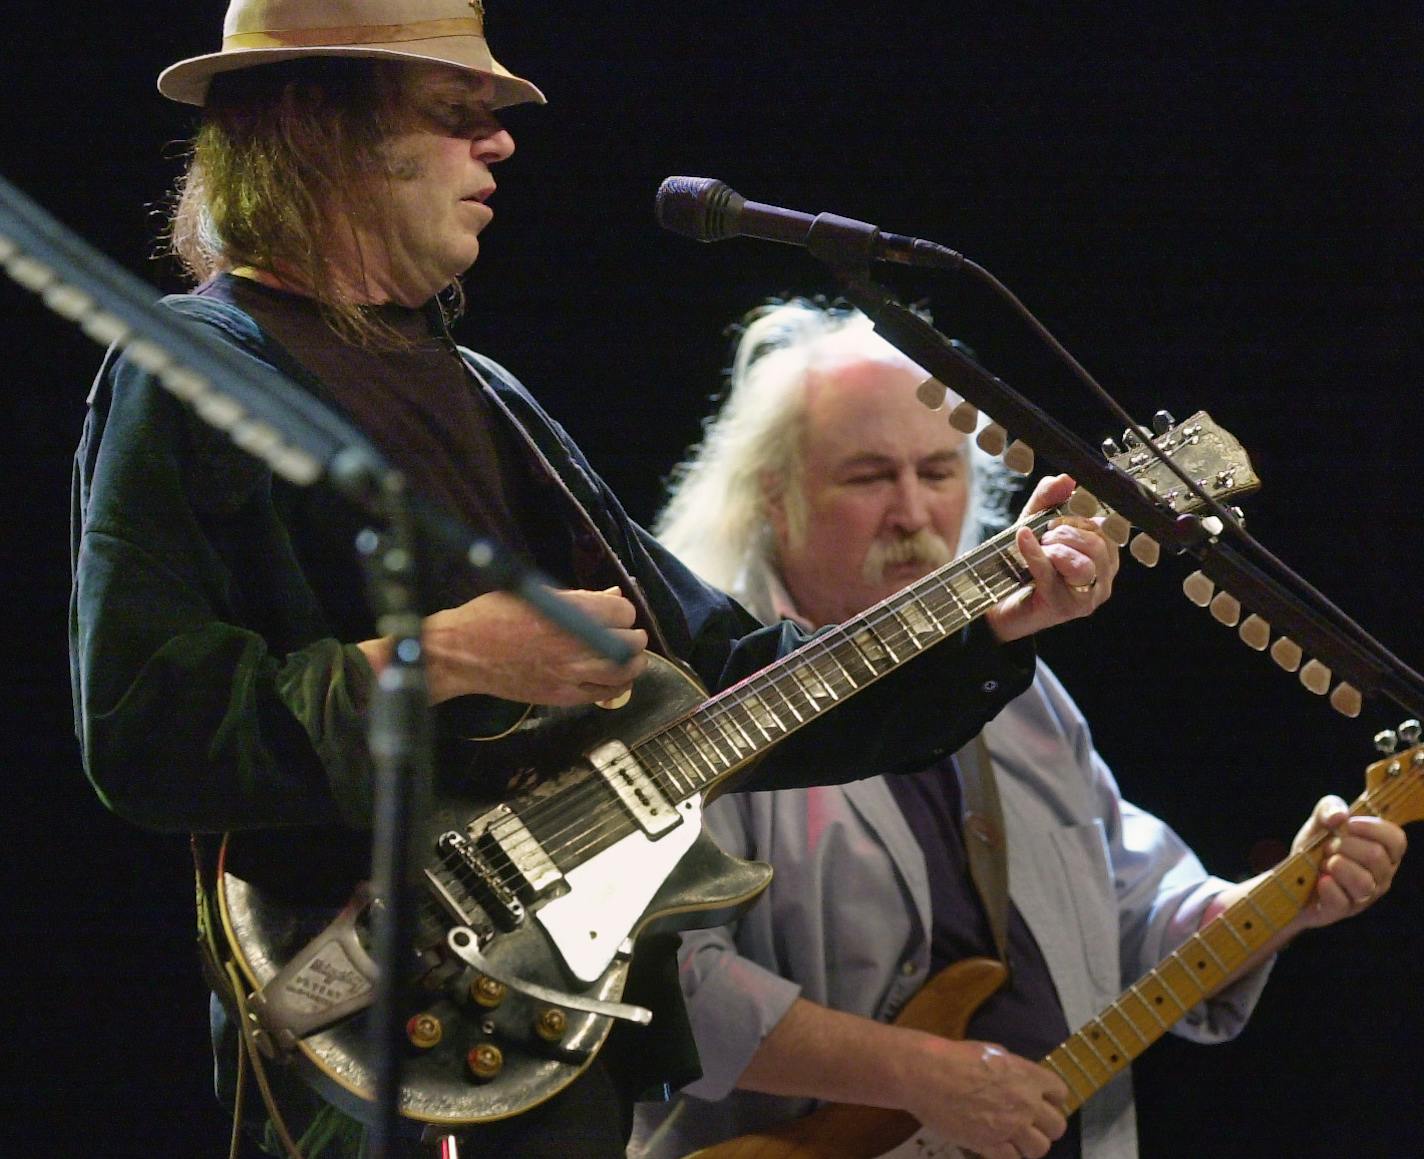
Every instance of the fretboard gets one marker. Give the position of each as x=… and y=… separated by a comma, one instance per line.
x=740, y=723
x=1147, y=1009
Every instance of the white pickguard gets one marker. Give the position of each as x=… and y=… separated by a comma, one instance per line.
x=609, y=892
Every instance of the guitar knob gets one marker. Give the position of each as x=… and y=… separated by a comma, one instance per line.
x=1162, y=422
x=1409, y=732
x=551, y=1024
x=424, y=1031
x=1386, y=741
x=484, y=1062
x=487, y=992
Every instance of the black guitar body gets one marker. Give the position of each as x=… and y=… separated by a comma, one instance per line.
x=560, y=842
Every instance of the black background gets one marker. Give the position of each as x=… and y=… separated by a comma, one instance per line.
x=1210, y=209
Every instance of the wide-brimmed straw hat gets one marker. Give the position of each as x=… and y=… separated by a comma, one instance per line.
x=264, y=31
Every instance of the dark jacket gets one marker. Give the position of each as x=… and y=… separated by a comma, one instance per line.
x=216, y=607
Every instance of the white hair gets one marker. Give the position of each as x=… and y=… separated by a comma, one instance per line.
x=715, y=519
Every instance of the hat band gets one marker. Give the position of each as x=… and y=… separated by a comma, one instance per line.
x=355, y=34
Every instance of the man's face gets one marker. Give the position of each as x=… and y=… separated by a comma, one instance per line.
x=441, y=180
x=884, y=486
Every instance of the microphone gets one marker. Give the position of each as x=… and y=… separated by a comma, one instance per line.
x=709, y=210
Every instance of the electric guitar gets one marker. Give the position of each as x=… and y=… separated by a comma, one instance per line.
x=1102, y=1049
x=533, y=900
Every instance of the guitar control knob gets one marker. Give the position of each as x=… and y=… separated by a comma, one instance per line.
x=1386, y=741
x=487, y=992
x=1409, y=732
x=484, y=1062
x=551, y=1024
x=424, y=1031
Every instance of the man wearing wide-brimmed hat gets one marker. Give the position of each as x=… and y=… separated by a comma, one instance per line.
x=223, y=651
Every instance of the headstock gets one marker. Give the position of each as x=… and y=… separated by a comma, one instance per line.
x=1395, y=785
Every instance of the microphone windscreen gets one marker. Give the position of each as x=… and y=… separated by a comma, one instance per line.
x=685, y=203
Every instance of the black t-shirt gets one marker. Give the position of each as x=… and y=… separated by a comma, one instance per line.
x=1025, y=1015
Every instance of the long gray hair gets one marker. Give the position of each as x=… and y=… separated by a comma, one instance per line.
x=715, y=519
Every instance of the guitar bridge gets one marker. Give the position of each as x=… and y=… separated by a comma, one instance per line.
x=472, y=870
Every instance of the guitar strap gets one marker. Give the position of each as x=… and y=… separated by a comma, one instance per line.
x=984, y=838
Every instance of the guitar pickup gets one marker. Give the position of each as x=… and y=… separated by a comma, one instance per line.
x=505, y=840
x=639, y=793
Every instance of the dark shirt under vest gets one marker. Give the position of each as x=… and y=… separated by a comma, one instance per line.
x=1025, y=1015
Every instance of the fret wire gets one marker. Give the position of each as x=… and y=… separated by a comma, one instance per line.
x=672, y=756
x=885, y=644
x=1092, y=1082
x=1160, y=974
x=687, y=743
x=1150, y=1006
x=1226, y=922
x=786, y=700
x=766, y=683
x=700, y=722
x=1052, y=1065
x=1068, y=1049
x=666, y=777
x=1087, y=1040
x=1123, y=1014
x=1215, y=957
x=718, y=720
x=1121, y=1050
x=1265, y=917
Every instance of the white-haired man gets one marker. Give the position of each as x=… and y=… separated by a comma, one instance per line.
x=822, y=486
x=222, y=650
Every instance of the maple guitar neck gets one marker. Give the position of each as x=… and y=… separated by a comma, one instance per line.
x=1091, y=1058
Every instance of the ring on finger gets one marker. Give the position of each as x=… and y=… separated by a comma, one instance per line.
x=1087, y=587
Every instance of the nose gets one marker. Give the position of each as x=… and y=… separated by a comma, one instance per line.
x=909, y=509
x=493, y=147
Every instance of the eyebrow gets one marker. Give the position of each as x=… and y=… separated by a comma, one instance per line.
x=876, y=459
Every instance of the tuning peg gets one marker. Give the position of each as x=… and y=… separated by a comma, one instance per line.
x=1255, y=632
x=1286, y=652
x=1116, y=528
x=1018, y=457
x=931, y=392
x=1198, y=588
x=1226, y=609
x=1346, y=700
x=1316, y=677
x=1162, y=422
x=1240, y=515
x=1083, y=502
x=1130, y=439
x=991, y=439
x=964, y=416
x=1386, y=741
x=1146, y=550
x=1409, y=731
x=1111, y=448
x=1213, y=524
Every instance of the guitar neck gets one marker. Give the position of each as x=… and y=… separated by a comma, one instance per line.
x=738, y=725
x=1090, y=1059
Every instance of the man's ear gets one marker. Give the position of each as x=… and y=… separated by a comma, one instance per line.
x=773, y=503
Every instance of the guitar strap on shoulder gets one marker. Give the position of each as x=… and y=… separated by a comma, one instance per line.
x=984, y=838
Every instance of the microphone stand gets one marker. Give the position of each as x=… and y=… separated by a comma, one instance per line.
x=1230, y=557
